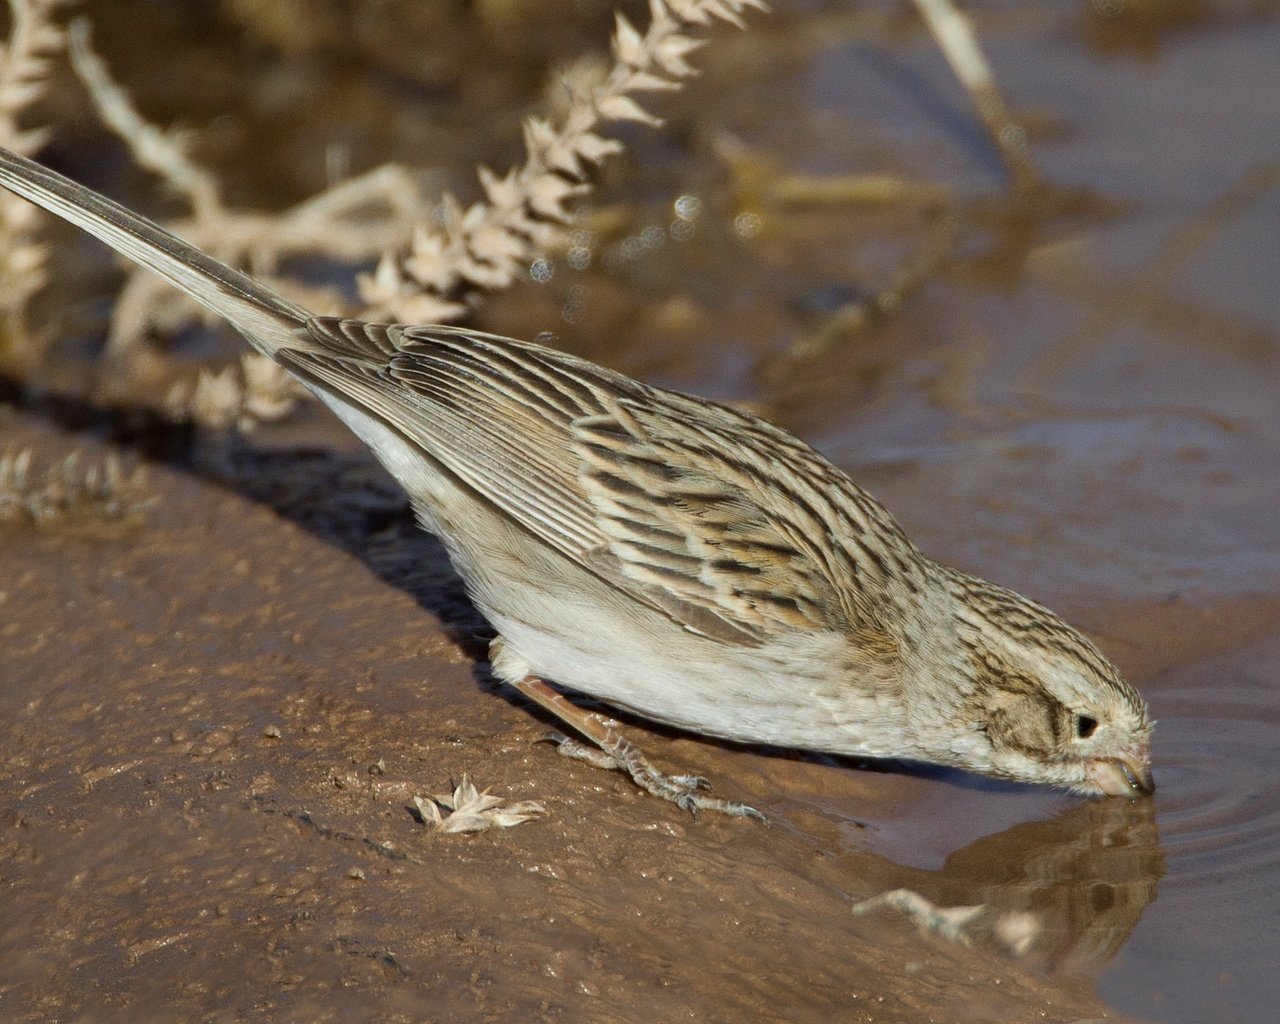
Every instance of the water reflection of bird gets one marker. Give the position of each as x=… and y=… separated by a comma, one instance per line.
x=1083, y=878
x=674, y=557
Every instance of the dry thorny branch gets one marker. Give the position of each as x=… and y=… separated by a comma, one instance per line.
x=435, y=258
x=485, y=245
x=443, y=268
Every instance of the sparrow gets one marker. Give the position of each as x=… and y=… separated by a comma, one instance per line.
x=674, y=557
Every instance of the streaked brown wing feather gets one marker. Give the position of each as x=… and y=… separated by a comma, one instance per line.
x=672, y=499
x=683, y=521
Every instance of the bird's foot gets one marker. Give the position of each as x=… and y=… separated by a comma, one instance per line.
x=597, y=758
x=593, y=756
x=685, y=791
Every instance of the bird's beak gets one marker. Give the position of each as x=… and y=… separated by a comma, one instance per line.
x=1119, y=776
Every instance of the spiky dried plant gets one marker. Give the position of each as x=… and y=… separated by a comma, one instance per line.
x=34, y=38
x=100, y=490
x=481, y=247
x=484, y=246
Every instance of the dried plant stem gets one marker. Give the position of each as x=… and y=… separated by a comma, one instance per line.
x=755, y=177
x=164, y=152
x=803, y=190
x=354, y=220
x=959, y=44
x=24, y=67
x=484, y=246
x=481, y=247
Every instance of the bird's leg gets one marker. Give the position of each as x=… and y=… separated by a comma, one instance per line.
x=618, y=753
x=631, y=760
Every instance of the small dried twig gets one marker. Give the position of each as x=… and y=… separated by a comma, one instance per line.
x=959, y=44
x=473, y=810
x=757, y=178
x=804, y=190
x=99, y=490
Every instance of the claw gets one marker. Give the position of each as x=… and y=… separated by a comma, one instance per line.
x=581, y=752
x=613, y=751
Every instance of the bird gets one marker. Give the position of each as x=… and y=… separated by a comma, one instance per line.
x=672, y=557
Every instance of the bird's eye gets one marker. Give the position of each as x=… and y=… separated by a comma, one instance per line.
x=1085, y=726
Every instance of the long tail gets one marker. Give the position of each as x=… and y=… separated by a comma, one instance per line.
x=267, y=320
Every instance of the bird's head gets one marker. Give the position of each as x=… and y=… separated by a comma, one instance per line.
x=1046, y=705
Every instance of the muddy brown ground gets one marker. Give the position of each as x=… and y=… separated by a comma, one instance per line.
x=214, y=719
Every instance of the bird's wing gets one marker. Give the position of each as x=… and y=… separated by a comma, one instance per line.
x=700, y=520
x=719, y=519
x=728, y=524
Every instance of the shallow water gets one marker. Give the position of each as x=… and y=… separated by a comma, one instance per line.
x=1082, y=406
